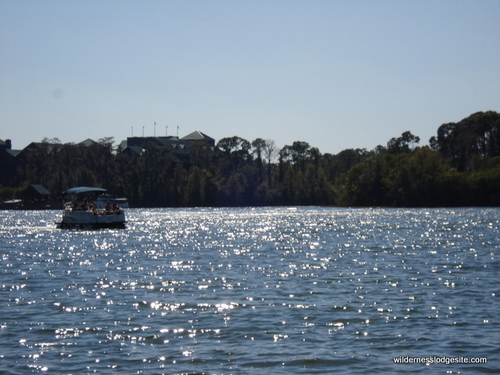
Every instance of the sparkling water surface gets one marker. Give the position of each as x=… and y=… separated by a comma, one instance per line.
x=251, y=291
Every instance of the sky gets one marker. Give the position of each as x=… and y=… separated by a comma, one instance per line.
x=336, y=74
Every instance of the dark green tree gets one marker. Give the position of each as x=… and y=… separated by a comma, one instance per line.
x=403, y=144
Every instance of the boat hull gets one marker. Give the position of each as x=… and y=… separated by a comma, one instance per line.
x=63, y=225
x=96, y=219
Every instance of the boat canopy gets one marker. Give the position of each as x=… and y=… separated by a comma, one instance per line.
x=84, y=189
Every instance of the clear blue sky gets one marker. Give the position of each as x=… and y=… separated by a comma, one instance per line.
x=336, y=74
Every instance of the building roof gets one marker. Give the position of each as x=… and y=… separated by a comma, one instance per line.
x=50, y=147
x=132, y=149
x=196, y=135
x=84, y=189
x=40, y=189
x=13, y=153
x=136, y=145
x=88, y=142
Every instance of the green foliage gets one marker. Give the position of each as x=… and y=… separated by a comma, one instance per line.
x=402, y=144
x=421, y=179
x=363, y=185
x=475, y=136
x=8, y=193
x=461, y=167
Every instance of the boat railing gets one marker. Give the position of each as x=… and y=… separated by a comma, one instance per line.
x=69, y=209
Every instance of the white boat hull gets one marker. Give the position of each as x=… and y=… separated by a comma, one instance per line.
x=94, y=219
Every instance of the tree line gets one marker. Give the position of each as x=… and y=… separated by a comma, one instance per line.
x=459, y=167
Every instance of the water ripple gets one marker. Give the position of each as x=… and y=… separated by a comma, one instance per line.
x=241, y=291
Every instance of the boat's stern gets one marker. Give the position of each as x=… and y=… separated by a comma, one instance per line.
x=92, y=219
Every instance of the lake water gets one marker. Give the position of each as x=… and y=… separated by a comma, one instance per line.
x=252, y=291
